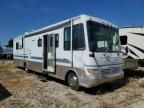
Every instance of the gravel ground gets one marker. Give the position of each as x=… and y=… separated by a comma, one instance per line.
x=19, y=89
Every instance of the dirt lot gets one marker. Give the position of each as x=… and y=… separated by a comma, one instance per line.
x=19, y=89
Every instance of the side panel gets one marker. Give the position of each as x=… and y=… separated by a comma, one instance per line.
x=63, y=58
x=18, y=62
x=18, y=51
x=34, y=52
x=78, y=55
x=35, y=66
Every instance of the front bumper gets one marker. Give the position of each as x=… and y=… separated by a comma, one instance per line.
x=90, y=81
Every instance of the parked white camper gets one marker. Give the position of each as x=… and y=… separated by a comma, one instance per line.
x=6, y=52
x=87, y=56
x=132, y=39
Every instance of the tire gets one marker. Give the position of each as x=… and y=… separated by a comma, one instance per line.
x=73, y=81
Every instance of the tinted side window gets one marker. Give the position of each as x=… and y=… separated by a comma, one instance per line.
x=51, y=41
x=39, y=42
x=67, y=38
x=123, y=40
x=57, y=40
x=78, y=37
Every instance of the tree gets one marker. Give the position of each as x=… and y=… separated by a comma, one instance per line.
x=10, y=43
x=0, y=44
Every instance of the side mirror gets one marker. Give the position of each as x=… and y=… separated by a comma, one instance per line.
x=93, y=46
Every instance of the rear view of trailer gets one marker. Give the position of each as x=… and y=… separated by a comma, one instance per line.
x=132, y=40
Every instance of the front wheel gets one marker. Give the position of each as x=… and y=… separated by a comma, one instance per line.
x=73, y=81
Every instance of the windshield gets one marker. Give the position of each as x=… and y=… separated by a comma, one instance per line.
x=102, y=37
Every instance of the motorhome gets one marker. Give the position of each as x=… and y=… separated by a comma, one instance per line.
x=83, y=50
x=132, y=39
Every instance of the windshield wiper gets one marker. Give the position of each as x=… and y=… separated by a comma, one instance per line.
x=108, y=49
x=117, y=41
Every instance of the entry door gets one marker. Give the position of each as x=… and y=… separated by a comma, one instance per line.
x=51, y=57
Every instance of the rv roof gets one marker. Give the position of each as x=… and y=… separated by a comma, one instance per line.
x=100, y=20
x=142, y=26
x=19, y=37
x=68, y=21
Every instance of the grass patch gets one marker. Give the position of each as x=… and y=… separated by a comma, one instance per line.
x=6, y=65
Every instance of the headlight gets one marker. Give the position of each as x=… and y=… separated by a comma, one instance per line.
x=93, y=72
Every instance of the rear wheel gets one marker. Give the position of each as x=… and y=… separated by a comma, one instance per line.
x=73, y=81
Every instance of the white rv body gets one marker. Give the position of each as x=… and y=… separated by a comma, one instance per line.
x=91, y=68
x=134, y=45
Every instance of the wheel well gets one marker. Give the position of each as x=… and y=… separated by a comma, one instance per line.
x=70, y=71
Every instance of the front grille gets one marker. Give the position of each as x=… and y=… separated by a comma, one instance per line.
x=110, y=70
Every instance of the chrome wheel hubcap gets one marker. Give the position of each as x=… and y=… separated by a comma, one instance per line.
x=73, y=81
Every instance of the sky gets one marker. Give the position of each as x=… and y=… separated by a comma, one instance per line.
x=20, y=16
